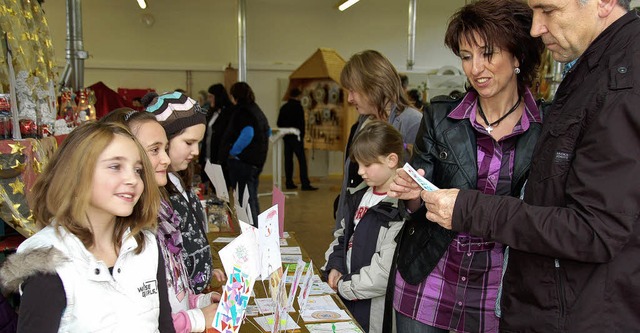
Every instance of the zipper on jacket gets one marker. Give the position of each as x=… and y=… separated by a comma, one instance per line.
x=561, y=298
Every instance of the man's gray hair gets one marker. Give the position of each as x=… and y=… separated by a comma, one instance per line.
x=623, y=3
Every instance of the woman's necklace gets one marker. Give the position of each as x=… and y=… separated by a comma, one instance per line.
x=489, y=127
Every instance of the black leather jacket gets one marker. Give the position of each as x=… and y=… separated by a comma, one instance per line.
x=446, y=149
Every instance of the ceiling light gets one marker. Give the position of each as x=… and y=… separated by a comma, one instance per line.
x=347, y=4
x=142, y=4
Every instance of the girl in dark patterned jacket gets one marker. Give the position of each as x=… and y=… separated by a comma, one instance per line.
x=184, y=121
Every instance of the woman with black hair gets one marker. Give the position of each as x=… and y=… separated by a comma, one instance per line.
x=218, y=117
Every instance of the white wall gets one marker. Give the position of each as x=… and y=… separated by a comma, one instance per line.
x=201, y=36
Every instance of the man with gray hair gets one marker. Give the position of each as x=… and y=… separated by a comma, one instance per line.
x=575, y=237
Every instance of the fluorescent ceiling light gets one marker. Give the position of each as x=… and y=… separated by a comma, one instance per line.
x=142, y=4
x=347, y=4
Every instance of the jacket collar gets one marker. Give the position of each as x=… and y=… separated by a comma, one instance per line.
x=465, y=154
x=363, y=187
x=467, y=109
x=601, y=44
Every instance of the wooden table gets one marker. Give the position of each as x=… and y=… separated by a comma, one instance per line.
x=250, y=326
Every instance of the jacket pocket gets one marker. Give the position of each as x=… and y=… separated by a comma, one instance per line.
x=559, y=147
x=422, y=245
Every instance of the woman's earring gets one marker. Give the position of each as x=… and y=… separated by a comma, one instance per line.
x=517, y=70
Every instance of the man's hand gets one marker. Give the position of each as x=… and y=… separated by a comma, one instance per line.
x=404, y=187
x=440, y=206
x=333, y=278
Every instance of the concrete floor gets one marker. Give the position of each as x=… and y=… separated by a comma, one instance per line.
x=309, y=214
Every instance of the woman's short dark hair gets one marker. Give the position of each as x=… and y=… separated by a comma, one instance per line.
x=242, y=93
x=499, y=23
x=221, y=96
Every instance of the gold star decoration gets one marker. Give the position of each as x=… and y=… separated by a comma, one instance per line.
x=16, y=148
x=16, y=206
x=17, y=186
x=37, y=166
x=17, y=223
x=18, y=166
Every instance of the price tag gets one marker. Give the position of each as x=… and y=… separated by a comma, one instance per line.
x=423, y=182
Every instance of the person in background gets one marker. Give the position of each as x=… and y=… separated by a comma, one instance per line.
x=190, y=312
x=415, y=98
x=404, y=81
x=245, y=143
x=218, y=118
x=360, y=256
x=148, y=99
x=184, y=123
x=376, y=92
x=292, y=115
x=575, y=238
x=203, y=100
x=137, y=102
x=448, y=281
x=95, y=266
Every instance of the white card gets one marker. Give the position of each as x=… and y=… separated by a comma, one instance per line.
x=214, y=172
x=423, y=182
x=286, y=323
x=290, y=250
x=337, y=327
x=269, y=239
x=324, y=315
x=242, y=252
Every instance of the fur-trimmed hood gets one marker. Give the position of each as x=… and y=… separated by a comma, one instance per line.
x=20, y=266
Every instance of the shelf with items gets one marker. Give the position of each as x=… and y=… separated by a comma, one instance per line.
x=328, y=115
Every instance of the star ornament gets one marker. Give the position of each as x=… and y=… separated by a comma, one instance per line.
x=18, y=166
x=37, y=166
x=17, y=186
x=16, y=148
x=16, y=221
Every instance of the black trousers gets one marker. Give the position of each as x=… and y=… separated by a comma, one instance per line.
x=293, y=146
x=243, y=174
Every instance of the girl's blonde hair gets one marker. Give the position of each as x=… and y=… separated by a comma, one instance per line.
x=372, y=75
x=63, y=191
x=378, y=138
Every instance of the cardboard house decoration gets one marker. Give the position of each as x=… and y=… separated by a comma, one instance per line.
x=328, y=115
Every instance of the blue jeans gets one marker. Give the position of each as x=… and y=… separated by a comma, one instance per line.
x=405, y=324
x=241, y=174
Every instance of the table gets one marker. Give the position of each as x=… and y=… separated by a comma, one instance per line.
x=250, y=326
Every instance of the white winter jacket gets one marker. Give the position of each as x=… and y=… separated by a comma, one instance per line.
x=128, y=301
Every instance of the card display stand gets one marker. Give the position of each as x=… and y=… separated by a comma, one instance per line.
x=250, y=325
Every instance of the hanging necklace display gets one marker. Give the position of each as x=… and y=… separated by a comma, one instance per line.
x=489, y=127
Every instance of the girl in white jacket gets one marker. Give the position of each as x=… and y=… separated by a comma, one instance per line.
x=95, y=266
x=191, y=312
